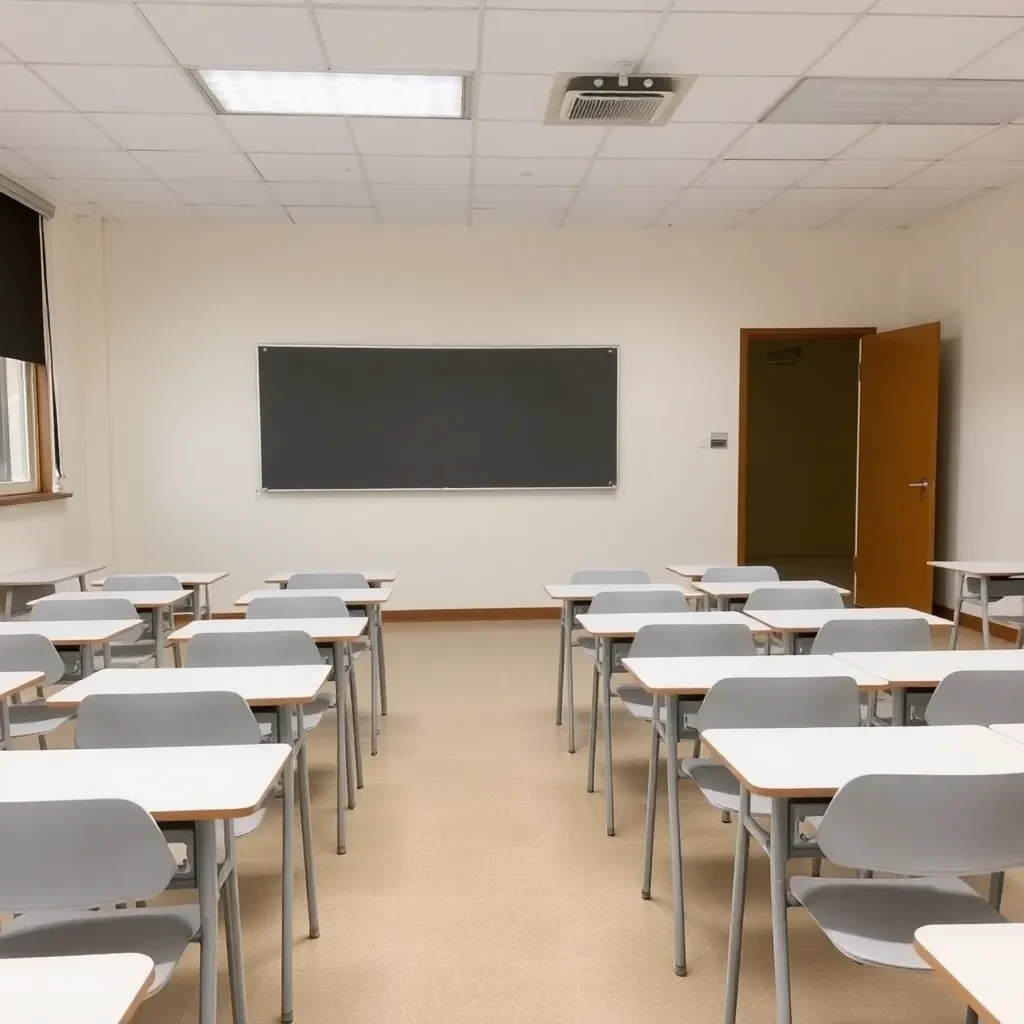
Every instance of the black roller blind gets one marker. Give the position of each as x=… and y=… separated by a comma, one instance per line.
x=21, y=284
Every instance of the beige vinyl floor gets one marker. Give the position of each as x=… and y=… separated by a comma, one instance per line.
x=480, y=887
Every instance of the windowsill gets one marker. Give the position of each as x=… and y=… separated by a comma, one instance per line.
x=33, y=498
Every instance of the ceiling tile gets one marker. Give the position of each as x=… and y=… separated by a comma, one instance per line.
x=697, y=218
x=522, y=196
x=824, y=198
x=223, y=193
x=322, y=193
x=55, y=191
x=421, y=195
x=250, y=3
x=76, y=32
x=512, y=97
x=977, y=7
x=581, y=5
x=181, y=166
x=549, y=42
x=603, y=197
x=99, y=191
x=862, y=218
x=759, y=173
x=206, y=36
x=149, y=211
x=280, y=133
x=967, y=174
x=775, y=6
x=400, y=40
x=1003, y=61
x=453, y=215
x=84, y=210
x=517, y=138
x=306, y=167
x=398, y=136
x=645, y=172
x=1005, y=143
x=670, y=140
x=6, y=58
x=786, y=218
x=21, y=90
x=197, y=132
x=797, y=141
x=84, y=163
x=235, y=214
x=124, y=89
x=529, y=171
x=913, y=141
x=912, y=47
x=332, y=214
x=50, y=131
x=743, y=44
x=919, y=198
x=17, y=166
x=624, y=217
x=518, y=218
x=735, y=98
x=418, y=170
x=861, y=173
x=742, y=199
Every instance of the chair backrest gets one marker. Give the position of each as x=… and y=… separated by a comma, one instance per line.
x=909, y=634
x=784, y=703
x=142, y=581
x=926, y=824
x=284, y=607
x=81, y=609
x=325, y=581
x=207, y=719
x=685, y=641
x=610, y=576
x=741, y=574
x=29, y=652
x=70, y=854
x=614, y=601
x=244, y=650
x=765, y=598
x=979, y=697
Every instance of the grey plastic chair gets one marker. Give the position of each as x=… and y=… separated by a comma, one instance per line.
x=739, y=574
x=123, y=857
x=779, y=598
x=144, y=581
x=29, y=652
x=980, y=697
x=124, y=653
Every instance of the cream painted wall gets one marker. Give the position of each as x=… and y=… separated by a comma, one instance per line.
x=186, y=306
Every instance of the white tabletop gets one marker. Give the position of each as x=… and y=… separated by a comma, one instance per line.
x=322, y=630
x=588, y=591
x=12, y=682
x=987, y=567
x=744, y=588
x=929, y=668
x=264, y=686
x=810, y=620
x=692, y=571
x=47, y=574
x=350, y=595
x=139, y=598
x=371, y=576
x=94, y=989
x=626, y=624
x=71, y=631
x=983, y=963
x=1015, y=731
x=698, y=675
x=172, y=783
x=818, y=762
x=187, y=578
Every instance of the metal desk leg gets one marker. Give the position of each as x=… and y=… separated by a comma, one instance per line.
x=595, y=696
x=233, y=926
x=345, y=664
x=374, y=694
x=985, y=630
x=739, y=899
x=86, y=658
x=206, y=882
x=379, y=641
x=306, y=821
x=721, y=603
x=652, y=799
x=674, y=838
x=788, y=642
x=5, y=724
x=284, y=730
x=779, y=857
x=958, y=601
x=899, y=705
x=570, y=696
x=606, y=696
x=158, y=635
x=561, y=664
x=8, y=603
x=81, y=582
x=197, y=603
x=341, y=756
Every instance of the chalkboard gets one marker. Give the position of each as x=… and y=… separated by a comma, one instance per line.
x=355, y=418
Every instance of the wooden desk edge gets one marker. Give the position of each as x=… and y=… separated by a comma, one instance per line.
x=39, y=679
x=175, y=638
x=225, y=814
x=792, y=794
x=57, y=704
x=140, y=995
x=965, y=997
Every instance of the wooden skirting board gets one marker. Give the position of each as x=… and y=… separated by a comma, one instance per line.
x=998, y=629
x=432, y=615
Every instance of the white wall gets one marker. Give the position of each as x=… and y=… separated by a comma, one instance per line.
x=186, y=306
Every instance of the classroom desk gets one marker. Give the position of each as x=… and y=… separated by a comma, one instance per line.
x=738, y=590
x=194, y=581
x=105, y=988
x=981, y=962
x=621, y=626
x=801, y=770
x=42, y=577
x=189, y=788
x=694, y=570
x=791, y=623
x=984, y=571
x=10, y=684
x=576, y=598
x=85, y=634
x=156, y=601
x=669, y=679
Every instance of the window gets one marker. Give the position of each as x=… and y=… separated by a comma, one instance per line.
x=19, y=428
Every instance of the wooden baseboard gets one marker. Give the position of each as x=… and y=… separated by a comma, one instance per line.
x=432, y=615
x=998, y=629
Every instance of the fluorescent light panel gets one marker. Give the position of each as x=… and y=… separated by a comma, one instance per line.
x=331, y=92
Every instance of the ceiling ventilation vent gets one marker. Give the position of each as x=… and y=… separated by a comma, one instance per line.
x=615, y=99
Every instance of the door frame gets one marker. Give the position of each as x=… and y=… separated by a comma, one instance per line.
x=747, y=335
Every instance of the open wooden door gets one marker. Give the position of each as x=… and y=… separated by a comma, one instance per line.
x=898, y=442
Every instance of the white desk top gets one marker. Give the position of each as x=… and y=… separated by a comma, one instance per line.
x=350, y=595
x=71, y=631
x=744, y=588
x=371, y=576
x=97, y=989
x=588, y=591
x=810, y=620
x=818, y=762
x=692, y=571
x=187, y=578
x=172, y=783
x=983, y=963
x=984, y=567
x=1014, y=731
x=697, y=675
x=626, y=624
x=269, y=686
x=12, y=682
x=47, y=574
x=139, y=598
x=325, y=630
x=929, y=668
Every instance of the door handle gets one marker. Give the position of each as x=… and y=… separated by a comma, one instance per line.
x=920, y=483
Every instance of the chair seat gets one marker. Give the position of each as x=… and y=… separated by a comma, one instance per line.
x=720, y=787
x=640, y=704
x=873, y=920
x=34, y=718
x=161, y=933
x=312, y=712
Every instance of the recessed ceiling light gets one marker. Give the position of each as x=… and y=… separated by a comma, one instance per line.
x=331, y=92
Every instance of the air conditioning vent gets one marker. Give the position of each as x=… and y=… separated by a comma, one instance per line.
x=615, y=99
